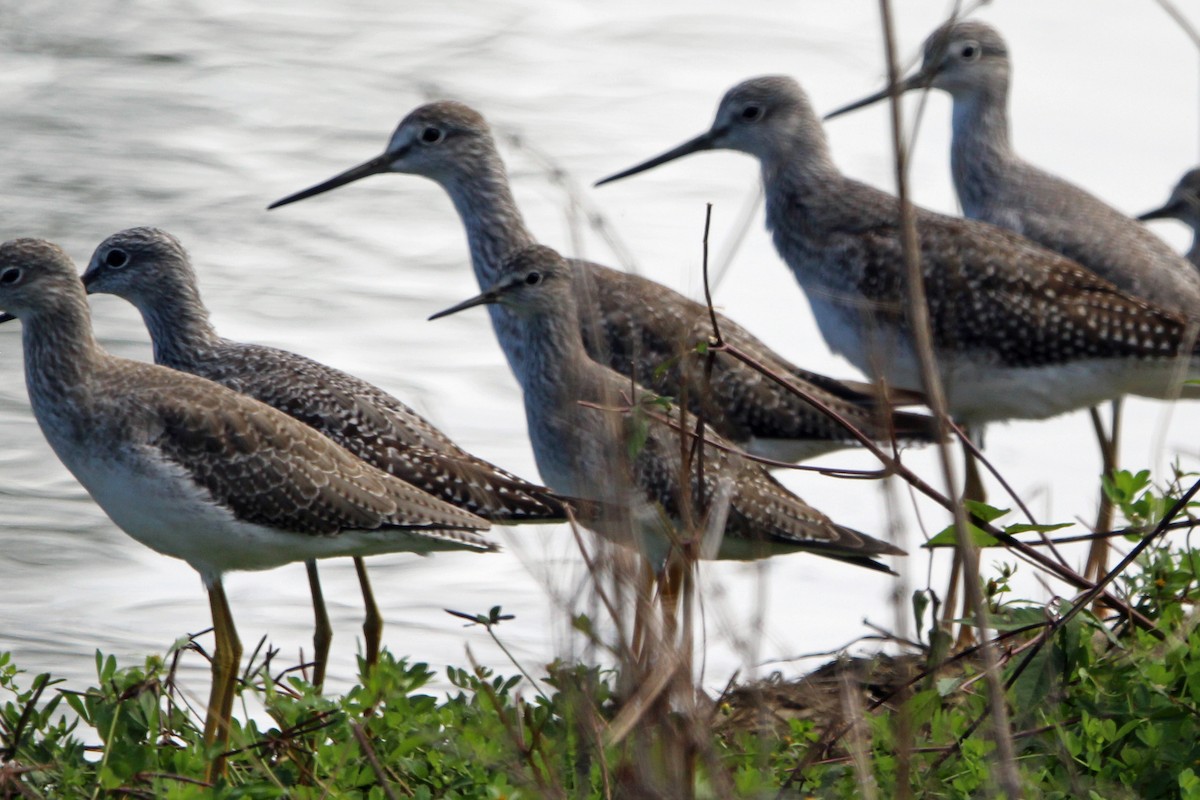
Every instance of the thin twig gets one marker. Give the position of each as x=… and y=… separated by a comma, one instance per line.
x=40, y=684
x=922, y=332
x=833, y=472
x=1182, y=21
x=365, y=744
x=1021, y=549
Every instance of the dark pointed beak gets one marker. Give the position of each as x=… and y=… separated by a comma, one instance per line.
x=6, y=317
x=487, y=298
x=705, y=141
x=88, y=278
x=381, y=163
x=918, y=80
x=1172, y=210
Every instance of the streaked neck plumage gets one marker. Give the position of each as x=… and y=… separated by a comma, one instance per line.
x=796, y=156
x=806, y=196
x=480, y=191
x=578, y=450
x=479, y=188
x=981, y=155
x=550, y=361
x=176, y=317
x=61, y=356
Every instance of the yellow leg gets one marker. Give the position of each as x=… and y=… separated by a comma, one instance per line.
x=670, y=585
x=642, y=606
x=973, y=489
x=226, y=657
x=950, y=603
x=1097, y=561
x=323, y=634
x=373, y=624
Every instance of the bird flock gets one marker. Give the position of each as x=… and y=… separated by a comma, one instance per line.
x=235, y=456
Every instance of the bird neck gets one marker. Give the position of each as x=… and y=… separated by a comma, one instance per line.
x=796, y=156
x=981, y=153
x=1194, y=254
x=61, y=353
x=494, y=225
x=178, y=323
x=803, y=186
x=550, y=361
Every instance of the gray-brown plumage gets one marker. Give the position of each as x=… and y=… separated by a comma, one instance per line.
x=1019, y=331
x=150, y=268
x=632, y=460
x=246, y=462
x=969, y=60
x=632, y=324
x=1183, y=205
x=197, y=471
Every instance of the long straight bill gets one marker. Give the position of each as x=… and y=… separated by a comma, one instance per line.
x=376, y=165
x=702, y=142
x=918, y=80
x=488, y=297
x=1172, y=210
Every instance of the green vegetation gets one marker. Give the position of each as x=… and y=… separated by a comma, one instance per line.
x=1100, y=709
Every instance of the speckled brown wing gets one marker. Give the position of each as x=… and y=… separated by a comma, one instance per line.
x=269, y=470
x=762, y=511
x=994, y=291
x=1107, y=242
x=378, y=428
x=744, y=403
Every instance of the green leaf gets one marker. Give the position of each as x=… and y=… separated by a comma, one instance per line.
x=1010, y=618
x=947, y=537
x=663, y=368
x=983, y=511
x=1189, y=785
x=920, y=603
x=1043, y=674
x=638, y=433
x=1024, y=527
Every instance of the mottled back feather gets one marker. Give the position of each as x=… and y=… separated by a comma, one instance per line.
x=580, y=450
x=150, y=268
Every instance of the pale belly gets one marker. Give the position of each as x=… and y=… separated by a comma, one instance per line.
x=170, y=515
x=872, y=350
x=978, y=391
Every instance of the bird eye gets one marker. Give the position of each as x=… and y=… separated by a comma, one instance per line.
x=432, y=135
x=970, y=51
x=752, y=113
x=533, y=279
x=116, y=258
x=10, y=276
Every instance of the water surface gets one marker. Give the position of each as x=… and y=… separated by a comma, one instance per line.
x=194, y=116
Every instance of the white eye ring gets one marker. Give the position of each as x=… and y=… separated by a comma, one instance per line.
x=970, y=50
x=432, y=135
x=10, y=276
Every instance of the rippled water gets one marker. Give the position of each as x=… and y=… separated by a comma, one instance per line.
x=193, y=116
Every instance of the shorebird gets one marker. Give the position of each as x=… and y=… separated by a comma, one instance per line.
x=197, y=471
x=633, y=461
x=969, y=60
x=634, y=325
x=1019, y=331
x=150, y=268
x=1184, y=206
